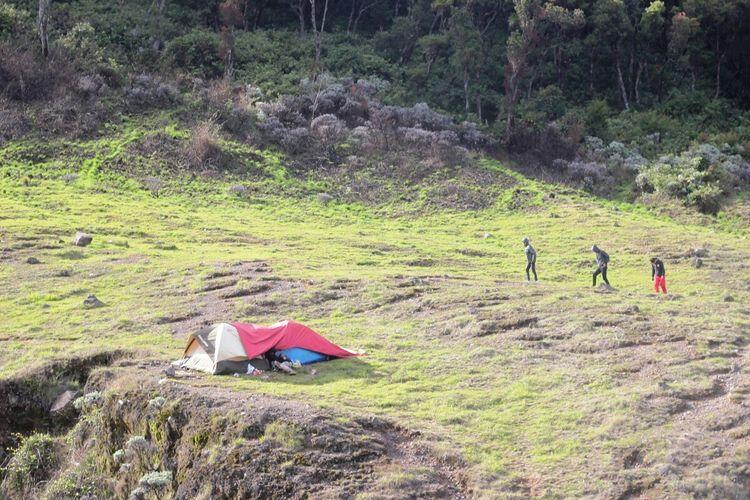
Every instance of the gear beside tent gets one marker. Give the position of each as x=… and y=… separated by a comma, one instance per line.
x=231, y=347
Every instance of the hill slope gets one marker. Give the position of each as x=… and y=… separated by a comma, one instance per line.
x=550, y=388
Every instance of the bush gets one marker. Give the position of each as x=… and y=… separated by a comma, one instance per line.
x=147, y=91
x=197, y=51
x=33, y=461
x=12, y=20
x=24, y=77
x=595, y=117
x=80, y=44
x=204, y=149
x=701, y=177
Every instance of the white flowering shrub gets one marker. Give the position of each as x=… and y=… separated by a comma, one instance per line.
x=702, y=176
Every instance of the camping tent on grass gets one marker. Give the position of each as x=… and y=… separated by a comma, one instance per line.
x=231, y=347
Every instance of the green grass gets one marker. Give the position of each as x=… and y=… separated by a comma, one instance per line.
x=516, y=408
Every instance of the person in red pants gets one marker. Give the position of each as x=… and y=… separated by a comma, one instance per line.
x=658, y=274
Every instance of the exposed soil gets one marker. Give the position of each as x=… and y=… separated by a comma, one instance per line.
x=224, y=444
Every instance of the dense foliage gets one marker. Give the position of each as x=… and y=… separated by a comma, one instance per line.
x=660, y=76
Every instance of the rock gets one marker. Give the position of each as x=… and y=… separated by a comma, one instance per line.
x=631, y=310
x=92, y=302
x=324, y=198
x=237, y=189
x=33, y=260
x=170, y=372
x=487, y=235
x=697, y=262
x=63, y=401
x=64, y=273
x=728, y=298
x=82, y=239
x=604, y=288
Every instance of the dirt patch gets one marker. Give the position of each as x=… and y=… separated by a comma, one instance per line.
x=229, y=293
x=28, y=397
x=189, y=442
x=493, y=327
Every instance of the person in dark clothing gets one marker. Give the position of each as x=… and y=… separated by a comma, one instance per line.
x=658, y=275
x=602, y=260
x=530, y=259
x=279, y=361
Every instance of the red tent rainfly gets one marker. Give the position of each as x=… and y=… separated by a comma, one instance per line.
x=257, y=340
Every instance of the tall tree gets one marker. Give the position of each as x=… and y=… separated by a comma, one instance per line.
x=558, y=32
x=720, y=21
x=298, y=6
x=466, y=45
x=231, y=16
x=318, y=30
x=612, y=32
x=357, y=10
x=683, y=46
x=42, y=24
x=649, y=42
x=520, y=43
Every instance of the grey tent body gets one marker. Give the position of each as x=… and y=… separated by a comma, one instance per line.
x=218, y=349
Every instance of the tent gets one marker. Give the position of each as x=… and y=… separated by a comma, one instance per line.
x=231, y=347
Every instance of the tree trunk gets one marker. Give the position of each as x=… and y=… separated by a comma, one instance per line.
x=692, y=80
x=350, y=23
x=531, y=86
x=719, y=57
x=430, y=62
x=479, y=106
x=638, y=73
x=259, y=13
x=620, y=81
x=318, y=31
x=513, y=87
x=631, y=84
x=42, y=23
x=466, y=89
x=301, y=15
x=229, y=66
x=361, y=12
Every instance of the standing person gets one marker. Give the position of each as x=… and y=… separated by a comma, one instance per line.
x=658, y=274
x=602, y=260
x=530, y=259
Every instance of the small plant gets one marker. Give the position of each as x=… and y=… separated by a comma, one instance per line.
x=156, y=480
x=157, y=402
x=284, y=434
x=87, y=401
x=204, y=149
x=31, y=462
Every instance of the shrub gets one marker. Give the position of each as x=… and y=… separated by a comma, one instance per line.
x=329, y=130
x=204, y=149
x=700, y=177
x=156, y=480
x=12, y=20
x=147, y=91
x=198, y=51
x=87, y=401
x=80, y=44
x=33, y=461
x=595, y=118
x=24, y=77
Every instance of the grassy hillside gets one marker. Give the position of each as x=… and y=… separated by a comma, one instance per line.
x=549, y=388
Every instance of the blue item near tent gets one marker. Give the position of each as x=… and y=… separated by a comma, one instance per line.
x=304, y=356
